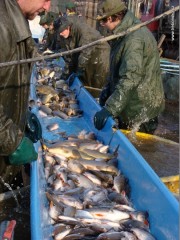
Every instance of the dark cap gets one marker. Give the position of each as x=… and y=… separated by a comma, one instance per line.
x=42, y=20
x=109, y=8
x=49, y=18
x=63, y=24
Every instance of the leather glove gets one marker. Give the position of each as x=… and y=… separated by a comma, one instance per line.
x=100, y=118
x=33, y=127
x=25, y=153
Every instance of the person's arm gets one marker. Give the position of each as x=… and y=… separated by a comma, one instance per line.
x=10, y=135
x=129, y=76
x=85, y=54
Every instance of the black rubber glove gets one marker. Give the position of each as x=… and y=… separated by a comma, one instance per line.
x=80, y=73
x=70, y=79
x=33, y=128
x=100, y=118
x=104, y=96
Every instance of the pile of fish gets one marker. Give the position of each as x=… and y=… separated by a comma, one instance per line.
x=88, y=194
x=54, y=95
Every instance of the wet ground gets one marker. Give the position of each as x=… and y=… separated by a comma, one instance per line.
x=162, y=156
x=10, y=210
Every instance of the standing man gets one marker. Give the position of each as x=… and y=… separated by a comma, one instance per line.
x=134, y=93
x=16, y=43
x=91, y=64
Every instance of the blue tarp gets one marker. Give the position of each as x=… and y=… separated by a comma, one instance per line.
x=147, y=191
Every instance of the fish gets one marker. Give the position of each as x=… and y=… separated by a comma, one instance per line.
x=45, y=89
x=62, y=234
x=119, y=183
x=68, y=152
x=140, y=216
x=111, y=236
x=102, y=213
x=69, y=211
x=70, y=201
x=81, y=181
x=51, y=74
x=76, y=167
x=106, y=225
x=46, y=98
x=60, y=114
x=88, y=145
x=59, y=227
x=53, y=199
x=44, y=72
x=52, y=127
x=128, y=235
x=92, y=177
x=45, y=109
x=97, y=154
x=119, y=198
x=95, y=165
x=94, y=196
x=77, y=190
x=142, y=234
x=83, y=231
x=128, y=224
x=54, y=211
x=70, y=220
x=105, y=177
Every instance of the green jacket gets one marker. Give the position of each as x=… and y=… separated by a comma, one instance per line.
x=135, y=86
x=15, y=43
x=92, y=62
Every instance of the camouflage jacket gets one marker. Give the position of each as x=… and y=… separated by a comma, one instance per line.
x=15, y=44
x=135, y=86
x=92, y=61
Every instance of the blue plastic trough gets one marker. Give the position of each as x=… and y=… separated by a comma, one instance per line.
x=147, y=191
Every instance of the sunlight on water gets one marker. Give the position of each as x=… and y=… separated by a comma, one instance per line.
x=10, y=189
x=161, y=154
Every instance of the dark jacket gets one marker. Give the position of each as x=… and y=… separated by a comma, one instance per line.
x=15, y=44
x=135, y=87
x=92, y=62
x=51, y=38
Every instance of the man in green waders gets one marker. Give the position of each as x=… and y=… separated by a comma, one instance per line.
x=134, y=93
x=19, y=128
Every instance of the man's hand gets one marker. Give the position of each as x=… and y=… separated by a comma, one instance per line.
x=25, y=153
x=104, y=96
x=80, y=73
x=70, y=79
x=33, y=127
x=100, y=118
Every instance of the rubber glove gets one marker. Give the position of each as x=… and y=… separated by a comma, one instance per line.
x=33, y=127
x=25, y=153
x=104, y=96
x=100, y=118
x=70, y=79
x=80, y=73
